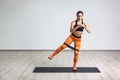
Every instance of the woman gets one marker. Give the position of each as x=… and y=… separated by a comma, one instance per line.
x=76, y=29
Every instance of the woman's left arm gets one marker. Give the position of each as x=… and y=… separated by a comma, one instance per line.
x=86, y=27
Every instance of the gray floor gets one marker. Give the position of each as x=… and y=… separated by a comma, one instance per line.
x=19, y=65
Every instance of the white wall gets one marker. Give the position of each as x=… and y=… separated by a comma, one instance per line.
x=44, y=24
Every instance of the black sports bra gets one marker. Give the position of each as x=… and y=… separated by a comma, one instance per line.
x=80, y=28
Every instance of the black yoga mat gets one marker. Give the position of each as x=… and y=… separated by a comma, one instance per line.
x=66, y=70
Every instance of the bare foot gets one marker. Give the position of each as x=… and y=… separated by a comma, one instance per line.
x=50, y=57
x=74, y=68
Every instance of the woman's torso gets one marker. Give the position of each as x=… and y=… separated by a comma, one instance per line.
x=79, y=31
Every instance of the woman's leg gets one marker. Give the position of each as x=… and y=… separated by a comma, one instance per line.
x=77, y=45
x=63, y=46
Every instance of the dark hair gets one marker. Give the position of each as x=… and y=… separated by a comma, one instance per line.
x=79, y=12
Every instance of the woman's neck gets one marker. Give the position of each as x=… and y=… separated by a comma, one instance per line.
x=79, y=20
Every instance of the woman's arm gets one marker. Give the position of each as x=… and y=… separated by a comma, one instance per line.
x=86, y=28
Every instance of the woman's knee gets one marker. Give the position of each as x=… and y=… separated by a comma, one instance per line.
x=76, y=53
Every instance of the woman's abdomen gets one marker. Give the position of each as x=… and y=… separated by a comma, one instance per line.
x=77, y=33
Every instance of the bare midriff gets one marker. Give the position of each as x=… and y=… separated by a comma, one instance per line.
x=77, y=33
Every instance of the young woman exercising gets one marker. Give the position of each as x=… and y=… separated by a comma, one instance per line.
x=76, y=29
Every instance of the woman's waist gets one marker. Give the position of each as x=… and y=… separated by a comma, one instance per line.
x=77, y=34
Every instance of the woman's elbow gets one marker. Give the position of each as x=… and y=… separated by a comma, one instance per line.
x=89, y=31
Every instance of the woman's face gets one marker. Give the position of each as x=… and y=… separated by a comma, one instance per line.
x=80, y=16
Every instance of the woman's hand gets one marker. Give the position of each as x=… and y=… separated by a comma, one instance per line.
x=82, y=25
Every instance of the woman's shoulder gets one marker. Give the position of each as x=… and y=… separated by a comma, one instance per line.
x=73, y=22
x=84, y=23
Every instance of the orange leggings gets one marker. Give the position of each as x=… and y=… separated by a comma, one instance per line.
x=77, y=44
